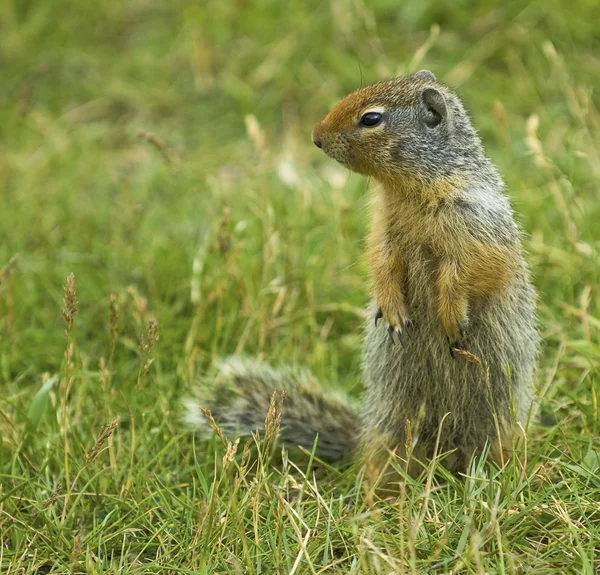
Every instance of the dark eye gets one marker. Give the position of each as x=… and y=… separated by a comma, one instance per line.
x=371, y=119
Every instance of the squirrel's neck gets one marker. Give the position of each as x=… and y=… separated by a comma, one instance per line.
x=409, y=192
x=415, y=191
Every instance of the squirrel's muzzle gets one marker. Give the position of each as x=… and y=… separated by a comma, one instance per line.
x=324, y=139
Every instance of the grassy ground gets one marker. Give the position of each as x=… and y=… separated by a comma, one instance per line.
x=161, y=153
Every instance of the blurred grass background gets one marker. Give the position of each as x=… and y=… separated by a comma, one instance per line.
x=161, y=153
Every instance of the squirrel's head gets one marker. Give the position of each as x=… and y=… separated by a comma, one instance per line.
x=409, y=127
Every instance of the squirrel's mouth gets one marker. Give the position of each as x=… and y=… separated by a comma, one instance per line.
x=344, y=158
x=342, y=161
x=337, y=152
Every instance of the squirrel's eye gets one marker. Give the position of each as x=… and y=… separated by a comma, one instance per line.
x=371, y=119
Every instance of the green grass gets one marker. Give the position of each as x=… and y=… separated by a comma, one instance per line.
x=237, y=236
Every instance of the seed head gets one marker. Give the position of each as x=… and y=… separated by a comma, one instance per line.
x=113, y=318
x=70, y=303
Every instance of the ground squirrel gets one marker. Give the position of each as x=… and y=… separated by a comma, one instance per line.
x=450, y=348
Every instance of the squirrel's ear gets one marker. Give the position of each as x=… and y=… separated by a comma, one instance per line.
x=434, y=106
x=425, y=75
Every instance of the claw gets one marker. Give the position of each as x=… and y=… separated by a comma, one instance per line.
x=457, y=342
x=391, y=332
x=378, y=316
x=395, y=330
x=454, y=346
x=399, y=335
x=409, y=327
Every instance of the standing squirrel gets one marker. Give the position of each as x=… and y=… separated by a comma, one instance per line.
x=450, y=349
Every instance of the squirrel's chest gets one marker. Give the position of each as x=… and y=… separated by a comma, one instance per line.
x=417, y=230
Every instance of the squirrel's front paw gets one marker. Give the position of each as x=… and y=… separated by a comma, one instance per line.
x=398, y=324
x=456, y=337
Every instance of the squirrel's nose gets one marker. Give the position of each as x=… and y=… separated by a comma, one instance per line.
x=317, y=141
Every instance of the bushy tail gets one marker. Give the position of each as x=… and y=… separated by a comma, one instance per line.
x=239, y=401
